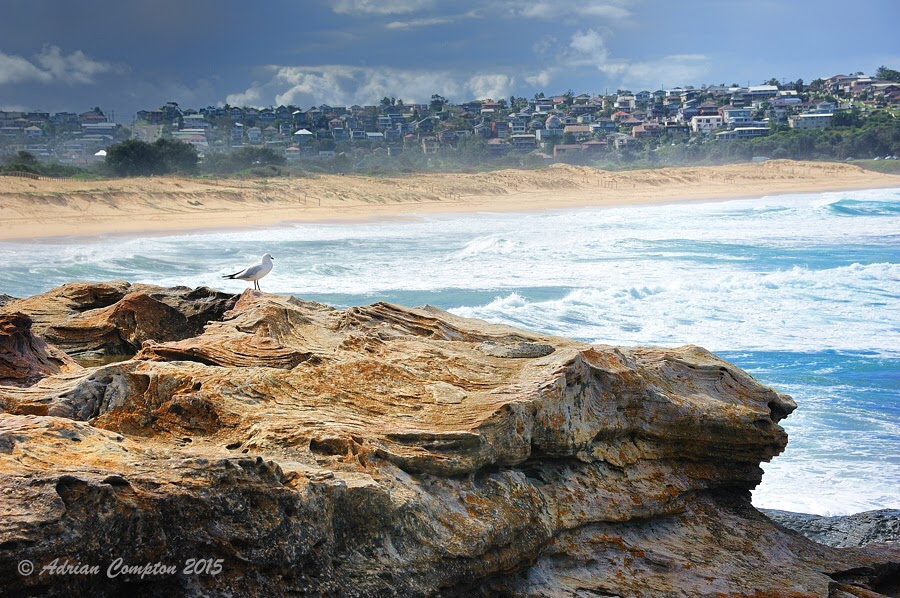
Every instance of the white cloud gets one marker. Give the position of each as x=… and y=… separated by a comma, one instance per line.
x=51, y=65
x=415, y=23
x=607, y=11
x=677, y=69
x=490, y=86
x=588, y=48
x=541, y=80
x=380, y=7
x=346, y=85
x=252, y=96
x=15, y=69
x=565, y=10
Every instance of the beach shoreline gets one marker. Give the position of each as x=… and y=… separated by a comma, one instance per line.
x=39, y=210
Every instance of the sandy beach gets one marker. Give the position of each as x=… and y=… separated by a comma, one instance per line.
x=49, y=208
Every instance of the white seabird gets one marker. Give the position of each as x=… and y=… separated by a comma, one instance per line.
x=256, y=272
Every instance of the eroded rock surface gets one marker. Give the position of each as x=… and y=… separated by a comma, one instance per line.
x=383, y=450
x=25, y=358
x=115, y=318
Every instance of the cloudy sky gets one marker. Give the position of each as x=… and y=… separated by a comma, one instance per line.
x=124, y=55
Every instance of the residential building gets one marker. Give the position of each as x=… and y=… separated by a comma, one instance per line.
x=705, y=124
x=237, y=134
x=811, y=120
x=761, y=92
x=736, y=117
x=646, y=130
x=304, y=136
x=743, y=133
x=497, y=146
x=523, y=142
x=579, y=132
x=560, y=151
x=543, y=135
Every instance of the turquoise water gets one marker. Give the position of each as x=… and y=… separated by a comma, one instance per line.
x=802, y=291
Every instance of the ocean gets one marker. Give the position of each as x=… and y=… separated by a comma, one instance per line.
x=802, y=291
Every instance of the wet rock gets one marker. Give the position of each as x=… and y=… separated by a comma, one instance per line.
x=516, y=351
x=859, y=529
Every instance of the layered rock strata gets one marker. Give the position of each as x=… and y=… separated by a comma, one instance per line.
x=388, y=451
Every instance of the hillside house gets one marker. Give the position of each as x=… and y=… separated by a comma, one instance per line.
x=523, y=141
x=579, y=132
x=762, y=92
x=811, y=120
x=500, y=129
x=646, y=130
x=735, y=117
x=705, y=124
x=304, y=136
x=237, y=134
x=742, y=133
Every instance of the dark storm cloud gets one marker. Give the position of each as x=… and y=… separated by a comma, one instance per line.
x=125, y=56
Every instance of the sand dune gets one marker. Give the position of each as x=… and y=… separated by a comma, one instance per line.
x=43, y=208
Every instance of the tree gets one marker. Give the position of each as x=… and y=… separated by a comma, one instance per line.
x=886, y=74
x=437, y=103
x=132, y=158
x=176, y=156
x=243, y=159
x=846, y=118
x=22, y=161
x=139, y=158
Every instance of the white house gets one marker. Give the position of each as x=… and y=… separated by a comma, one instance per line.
x=736, y=116
x=304, y=135
x=705, y=124
x=743, y=133
x=811, y=120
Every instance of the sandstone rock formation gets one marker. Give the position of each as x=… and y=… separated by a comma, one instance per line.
x=387, y=451
x=115, y=318
x=25, y=358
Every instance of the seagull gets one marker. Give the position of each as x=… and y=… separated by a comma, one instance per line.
x=256, y=272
